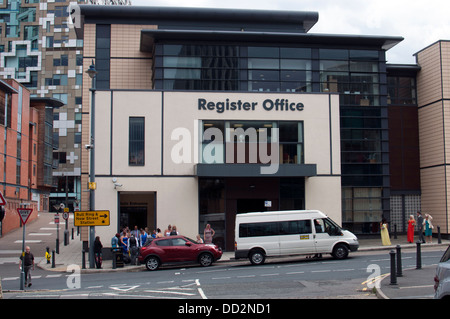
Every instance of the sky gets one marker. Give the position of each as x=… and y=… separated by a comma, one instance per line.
x=420, y=23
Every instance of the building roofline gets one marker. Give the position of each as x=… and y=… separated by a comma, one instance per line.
x=298, y=21
x=385, y=42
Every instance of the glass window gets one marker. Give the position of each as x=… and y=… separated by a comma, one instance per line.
x=333, y=54
x=255, y=63
x=264, y=52
x=136, y=147
x=295, y=53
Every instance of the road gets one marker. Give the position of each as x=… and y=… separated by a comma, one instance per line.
x=279, y=278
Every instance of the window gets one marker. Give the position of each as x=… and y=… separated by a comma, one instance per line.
x=136, y=146
x=164, y=242
x=292, y=227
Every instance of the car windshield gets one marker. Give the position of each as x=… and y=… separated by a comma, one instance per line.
x=446, y=255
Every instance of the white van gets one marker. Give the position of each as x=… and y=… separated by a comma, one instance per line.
x=284, y=233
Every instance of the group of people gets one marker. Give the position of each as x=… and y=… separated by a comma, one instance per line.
x=424, y=228
x=424, y=225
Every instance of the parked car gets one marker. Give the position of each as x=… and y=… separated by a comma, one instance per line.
x=442, y=278
x=177, y=249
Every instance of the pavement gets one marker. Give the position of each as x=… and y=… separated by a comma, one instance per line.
x=415, y=283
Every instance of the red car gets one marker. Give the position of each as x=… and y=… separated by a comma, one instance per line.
x=174, y=249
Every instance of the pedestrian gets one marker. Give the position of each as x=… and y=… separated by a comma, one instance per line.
x=174, y=231
x=135, y=231
x=124, y=243
x=428, y=228
x=98, y=252
x=168, y=231
x=411, y=226
x=199, y=239
x=386, y=241
x=208, y=234
x=158, y=233
x=420, y=227
x=142, y=238
x=133, y=248
x=27, y=264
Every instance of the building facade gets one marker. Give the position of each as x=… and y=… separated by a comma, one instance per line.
x=216, y=58
x=433, y=83
x=26, y=149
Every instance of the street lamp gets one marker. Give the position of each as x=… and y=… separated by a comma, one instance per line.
x=92, y=72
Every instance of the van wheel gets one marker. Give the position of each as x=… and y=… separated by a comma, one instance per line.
x=340, y=251
x=257, y=257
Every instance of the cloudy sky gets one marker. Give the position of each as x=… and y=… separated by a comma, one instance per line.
x=421, y=23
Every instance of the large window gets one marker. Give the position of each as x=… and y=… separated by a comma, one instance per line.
x=136, y=146
x=239, y=141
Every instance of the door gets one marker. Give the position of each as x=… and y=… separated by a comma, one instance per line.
x=296, y=237
x=325, y=235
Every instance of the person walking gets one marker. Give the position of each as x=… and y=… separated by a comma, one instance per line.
x=428, y=228
x=27, y=262
x=98, y=252
x=410, y=232
x=420, y=227
x=386, y=241
x=208, y=234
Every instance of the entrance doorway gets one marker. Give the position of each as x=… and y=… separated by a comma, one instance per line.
x=137, y=209
x=250, y=205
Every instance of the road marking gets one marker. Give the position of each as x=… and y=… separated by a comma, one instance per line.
x=413, y=287
x=53, y=276
x=171, y=292
x=219, y=278
x=265, y=275
x=295, y=273
x=343, y=269
x=200, y=290
x=248, y=276
x=326, y=270
x=28, y=241
x=39, y=234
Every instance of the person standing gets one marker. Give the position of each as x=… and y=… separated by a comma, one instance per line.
x=27, y=262
x=133, y=248
x=98, y=252
x=420, y=227
x=208, y=234
x=428, y=228
x=410, y=232
x=385, y=233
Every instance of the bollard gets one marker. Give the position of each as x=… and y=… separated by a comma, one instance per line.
x=439, y=235
x=399, y=261
x=72, y=233
x=53, y=258
x=418, y=256
x=393, y=272
x=83, y=259
x=395, y=231
x=57, y=245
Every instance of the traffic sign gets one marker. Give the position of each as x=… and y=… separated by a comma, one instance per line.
x=92, y=218
x=66, y=215
x=56, y=218
x=24, y=214
x=2, y=200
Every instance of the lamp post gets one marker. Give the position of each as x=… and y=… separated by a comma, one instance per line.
x=92, y=72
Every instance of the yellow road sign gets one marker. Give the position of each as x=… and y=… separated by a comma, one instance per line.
x=92, y=218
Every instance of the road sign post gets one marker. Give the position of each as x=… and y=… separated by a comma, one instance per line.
x=57, y=232
x=24, y=214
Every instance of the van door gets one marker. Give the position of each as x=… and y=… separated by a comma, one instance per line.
x=325, y=235
x=296, y=237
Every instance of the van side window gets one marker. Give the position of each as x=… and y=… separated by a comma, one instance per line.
x=295, y=227
x=292, y=227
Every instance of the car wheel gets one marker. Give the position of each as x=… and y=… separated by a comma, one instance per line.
x=257, y=257
x=340, y=251
x=152, y=263
x=205, y=259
